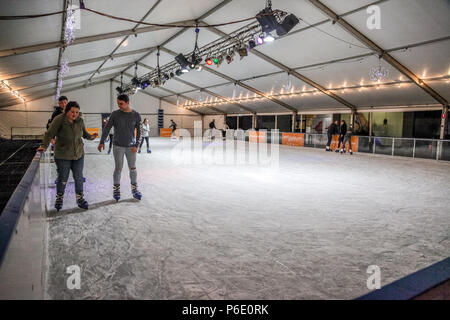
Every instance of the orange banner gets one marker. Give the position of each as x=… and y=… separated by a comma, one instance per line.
x=93, y=130
x=257, y=136
x=293, y=139
x=166, y=133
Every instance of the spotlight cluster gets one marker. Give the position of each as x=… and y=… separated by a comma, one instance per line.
x=238, y=43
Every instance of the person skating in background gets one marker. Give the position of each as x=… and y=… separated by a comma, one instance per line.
x=332, y=130
x=348, y=137
x=342, y=132
x=62, y=103
x=212, y=126
x=124, y=121
x=145, y=135
x=68, y=128
x=224, y=130
x=173, y=126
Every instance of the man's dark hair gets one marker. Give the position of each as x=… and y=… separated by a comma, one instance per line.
x=123, y=97
x=62, y=98
x=70, y=105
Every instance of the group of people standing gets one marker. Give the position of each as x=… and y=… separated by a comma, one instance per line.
x=345, y=135
x=67, y=127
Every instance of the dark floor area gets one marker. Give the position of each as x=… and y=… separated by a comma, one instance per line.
x=15, y=157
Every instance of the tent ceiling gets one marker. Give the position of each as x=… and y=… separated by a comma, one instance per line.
x=404, y=23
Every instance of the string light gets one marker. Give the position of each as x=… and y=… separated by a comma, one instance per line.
x=15, y=93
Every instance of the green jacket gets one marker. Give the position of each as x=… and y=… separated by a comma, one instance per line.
x=68, y=143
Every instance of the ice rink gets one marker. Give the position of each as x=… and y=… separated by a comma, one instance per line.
x=307, y=230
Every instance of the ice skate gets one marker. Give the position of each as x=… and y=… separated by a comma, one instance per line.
x=116, y=192
x=135, y=192
x=59, y=201
x=81, y=202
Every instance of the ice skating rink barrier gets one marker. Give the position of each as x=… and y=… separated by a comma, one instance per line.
x=23, y=236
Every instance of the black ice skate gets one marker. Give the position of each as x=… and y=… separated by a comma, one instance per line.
x=59, y=201
x=82, y=203
x=135, y=192
x=116, y=192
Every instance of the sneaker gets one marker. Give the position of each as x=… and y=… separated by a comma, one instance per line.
x=59, y=201
x=139, y=151
x=81, y=202
x=135, y=192
x=116, y=192
x=149, y=151
x=342, y=151
x=351, y=152
x=337, y=151
x=109, y=151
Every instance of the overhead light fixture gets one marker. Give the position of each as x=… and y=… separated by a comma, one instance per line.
x=230, y=56
x=182, y=61
x=144, y=84
x=269, y=38
x=243, y=52
x=216, y=60
x=135, y=81
x=280, y=21
x=209, y=61
x=260, y=40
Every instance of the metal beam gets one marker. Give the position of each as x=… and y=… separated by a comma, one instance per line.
x=203, y=16
x=126, y=37
x=293, y=72
x=162, y=99
x=98, y=37
x=68, y=78
x=180, y=95
x=49, y=94
x=382, y=53
x=73, y=64
x=239, y=83
x=203, y=89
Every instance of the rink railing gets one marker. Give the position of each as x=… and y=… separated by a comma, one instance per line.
x=23, y=237
x=433, y=149
x=402, y=147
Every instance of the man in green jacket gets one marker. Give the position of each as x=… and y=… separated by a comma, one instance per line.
x=69, y=129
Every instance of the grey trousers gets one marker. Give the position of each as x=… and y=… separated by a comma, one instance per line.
x=349, y=139
x=118, y=153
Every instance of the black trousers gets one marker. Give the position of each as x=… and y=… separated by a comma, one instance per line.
x=341, y=140
x=330, y=138
x=142, y=142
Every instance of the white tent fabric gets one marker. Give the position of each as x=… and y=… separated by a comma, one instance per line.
x=415, y=32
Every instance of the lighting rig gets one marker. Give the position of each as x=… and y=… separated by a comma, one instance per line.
x=239, y=43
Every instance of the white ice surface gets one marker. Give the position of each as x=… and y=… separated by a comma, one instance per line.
x=308, y=230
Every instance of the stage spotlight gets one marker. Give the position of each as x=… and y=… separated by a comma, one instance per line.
x=144, y=84
x=172, y=74
x=216, y=61
x=288, y=23
x=166, y=77
x=267, y=20
x=119, y=90
x=157, y=82
x=252, y=44
x=230, y=56
x=182, y=61
x=243, y=52
x=209, y=61
x=178, y=72
x=219, y=60
x=269, y=38
x=260, y=40
x=135, y=81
